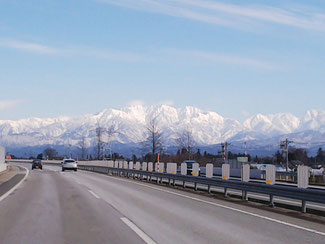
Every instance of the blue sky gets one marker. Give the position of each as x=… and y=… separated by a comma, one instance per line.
x=237, y=58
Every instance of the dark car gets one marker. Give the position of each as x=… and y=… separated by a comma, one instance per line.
x=37, y=164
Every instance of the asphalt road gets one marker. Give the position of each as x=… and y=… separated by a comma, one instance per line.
x=84, y=207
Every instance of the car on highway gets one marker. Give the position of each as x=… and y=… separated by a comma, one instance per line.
x=69, y=164
x=37, y=164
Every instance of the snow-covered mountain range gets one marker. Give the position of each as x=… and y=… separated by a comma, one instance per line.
x=130, y=124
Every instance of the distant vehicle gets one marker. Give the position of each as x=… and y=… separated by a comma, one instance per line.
x=189, y=164
x=37, y=164
x=69, y=164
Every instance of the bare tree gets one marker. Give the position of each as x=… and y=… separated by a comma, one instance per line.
x=103, y=135
x=50, y=153
x=154, y=138
x=186, y=140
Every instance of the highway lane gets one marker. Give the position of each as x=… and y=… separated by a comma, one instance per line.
x=51, y=208
x=81, y=207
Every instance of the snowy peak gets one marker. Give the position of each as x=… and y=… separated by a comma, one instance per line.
x=207, y=127
x=314, y=120
x=273, y=124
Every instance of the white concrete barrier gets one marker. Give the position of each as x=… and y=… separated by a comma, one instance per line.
x=131, y=165
x=270, y=174
x=245, y=173
x=184, y=169
x=225, y=171
x=116, y=164
x=150, y=166
x=171, y=168
x=120, y=164
x=110, y=164
x=144, y=166
x=125, y=165
x=137, y=165
x=303, y=176
x=195, y=169
x=209, y=170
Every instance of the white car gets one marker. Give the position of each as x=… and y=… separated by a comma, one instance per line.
x=69, y=164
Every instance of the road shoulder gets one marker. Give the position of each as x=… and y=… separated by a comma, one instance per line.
x=10, y=180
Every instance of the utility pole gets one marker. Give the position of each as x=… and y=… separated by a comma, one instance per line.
x=285, y=146
x=224, y=151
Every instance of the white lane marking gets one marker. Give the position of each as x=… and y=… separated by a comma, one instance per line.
x=138, y=231
x=230, y=208
x=16, y=186
x=94, y=194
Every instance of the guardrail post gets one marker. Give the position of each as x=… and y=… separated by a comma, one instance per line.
x=244, y=195
x=195, y=186
x=226, y=192
x=303, y=206
x=271, y=201
x=209, y=189
x=184, y=184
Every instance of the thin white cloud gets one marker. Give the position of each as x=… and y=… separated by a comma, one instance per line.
x=8, y=104
x=37, y=48
x=30, y=47
x=231, y=15
x=213, y=58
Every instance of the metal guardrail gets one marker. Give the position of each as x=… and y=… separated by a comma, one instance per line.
x=292, y=192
